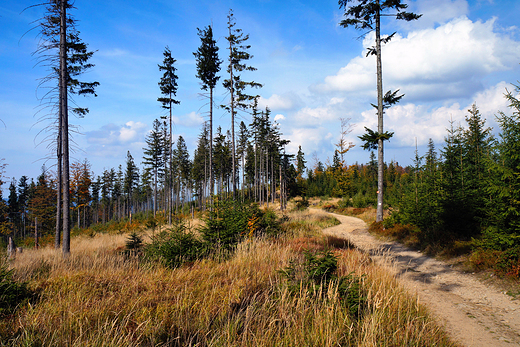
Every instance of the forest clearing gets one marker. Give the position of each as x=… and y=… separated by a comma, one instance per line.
x=99, y=297
x=174, y=211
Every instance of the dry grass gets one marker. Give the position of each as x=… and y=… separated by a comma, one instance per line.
x=97, y=298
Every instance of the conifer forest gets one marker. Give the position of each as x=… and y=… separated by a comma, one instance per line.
x=240, y=204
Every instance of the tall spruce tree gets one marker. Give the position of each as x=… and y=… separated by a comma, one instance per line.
x=199, y=170
x=168, y=86
x=505, y=185
x=208, y=66
x=154, y=159
x=300, y=162
x=67, y=57
x=239, y=100
x=243, y=142
x=130, y=182
x=477, y=142
x=13, y=207
x=23, y=199
x=366, y=15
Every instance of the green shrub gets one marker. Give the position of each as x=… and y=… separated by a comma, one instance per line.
x=133, y=245
x=345, y=202
x=12, y=293
x=226, y=224
x=269, y=224
x=317, y=273
x=231, y=221
x=301, y=204
x=498, y=250
x=361, y=200
x=494, y=239
x=175, y=247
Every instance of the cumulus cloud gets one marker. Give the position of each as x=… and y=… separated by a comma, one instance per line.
x=411, y=121
x=310, y=139
x=357, y=75
x=286, y=101
x=437, y=11
x=432, y=64
x=279, y=117
x=112, y=134
x=111, y=140
x=192, y=119
x=314, y=116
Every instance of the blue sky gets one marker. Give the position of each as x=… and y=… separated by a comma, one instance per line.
x=314, y=72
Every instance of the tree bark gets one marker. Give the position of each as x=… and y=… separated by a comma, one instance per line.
x=65, y=128
x=57, y=235
x=380, y=153
x=211, y=179
x=232, y=89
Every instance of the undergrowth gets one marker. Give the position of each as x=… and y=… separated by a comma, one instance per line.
x=334, y=297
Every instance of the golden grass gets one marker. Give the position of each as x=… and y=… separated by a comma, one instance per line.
x=97, y=298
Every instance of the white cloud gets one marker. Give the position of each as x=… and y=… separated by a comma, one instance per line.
x=410, y=121
x=286, y=101
x=279, y=117
x=457, y=50
x=314, y=116
x=131, y=131
x=358, y=74
x=111, y=140
x=446, y=62
x=192, y=119
x=437, y=11
x=309, y=138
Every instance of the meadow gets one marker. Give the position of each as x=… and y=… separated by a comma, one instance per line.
x=297, y=288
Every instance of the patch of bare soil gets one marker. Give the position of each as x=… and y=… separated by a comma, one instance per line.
x=473, y=312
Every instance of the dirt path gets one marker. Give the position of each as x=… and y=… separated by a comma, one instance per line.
x=473, y=313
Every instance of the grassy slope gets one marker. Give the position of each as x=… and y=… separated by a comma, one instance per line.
x=96, y=298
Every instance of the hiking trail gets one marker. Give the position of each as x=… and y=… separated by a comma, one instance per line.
x=473, y=313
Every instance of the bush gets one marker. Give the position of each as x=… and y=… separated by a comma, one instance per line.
x=133, y=245
x=330, y=207
x=317, y=274
x=269, y=224
x=12, y=293
x=230, y=221
x=175, y=247
x=345, y=202
x=497, y=250
x=361, y=200
x=301, y=204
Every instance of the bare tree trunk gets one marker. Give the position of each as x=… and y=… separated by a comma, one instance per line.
x=267, y=178
x=57, y=235
x=380, y=157
x=36, y=242
x=170, y=188
x=232, y=90
x=211, y=179
x=65, y=129
x=255, y=179
x=273, y=182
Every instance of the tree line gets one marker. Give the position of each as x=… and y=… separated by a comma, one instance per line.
x=251, y=165
x=466, y=193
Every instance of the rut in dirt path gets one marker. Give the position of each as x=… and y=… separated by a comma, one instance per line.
x=474, y=314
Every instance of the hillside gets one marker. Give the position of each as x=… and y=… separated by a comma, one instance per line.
x=262, y=295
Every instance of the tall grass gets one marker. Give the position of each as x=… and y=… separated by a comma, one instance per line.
x=96, y=297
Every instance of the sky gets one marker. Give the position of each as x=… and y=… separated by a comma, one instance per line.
x=313, y=72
